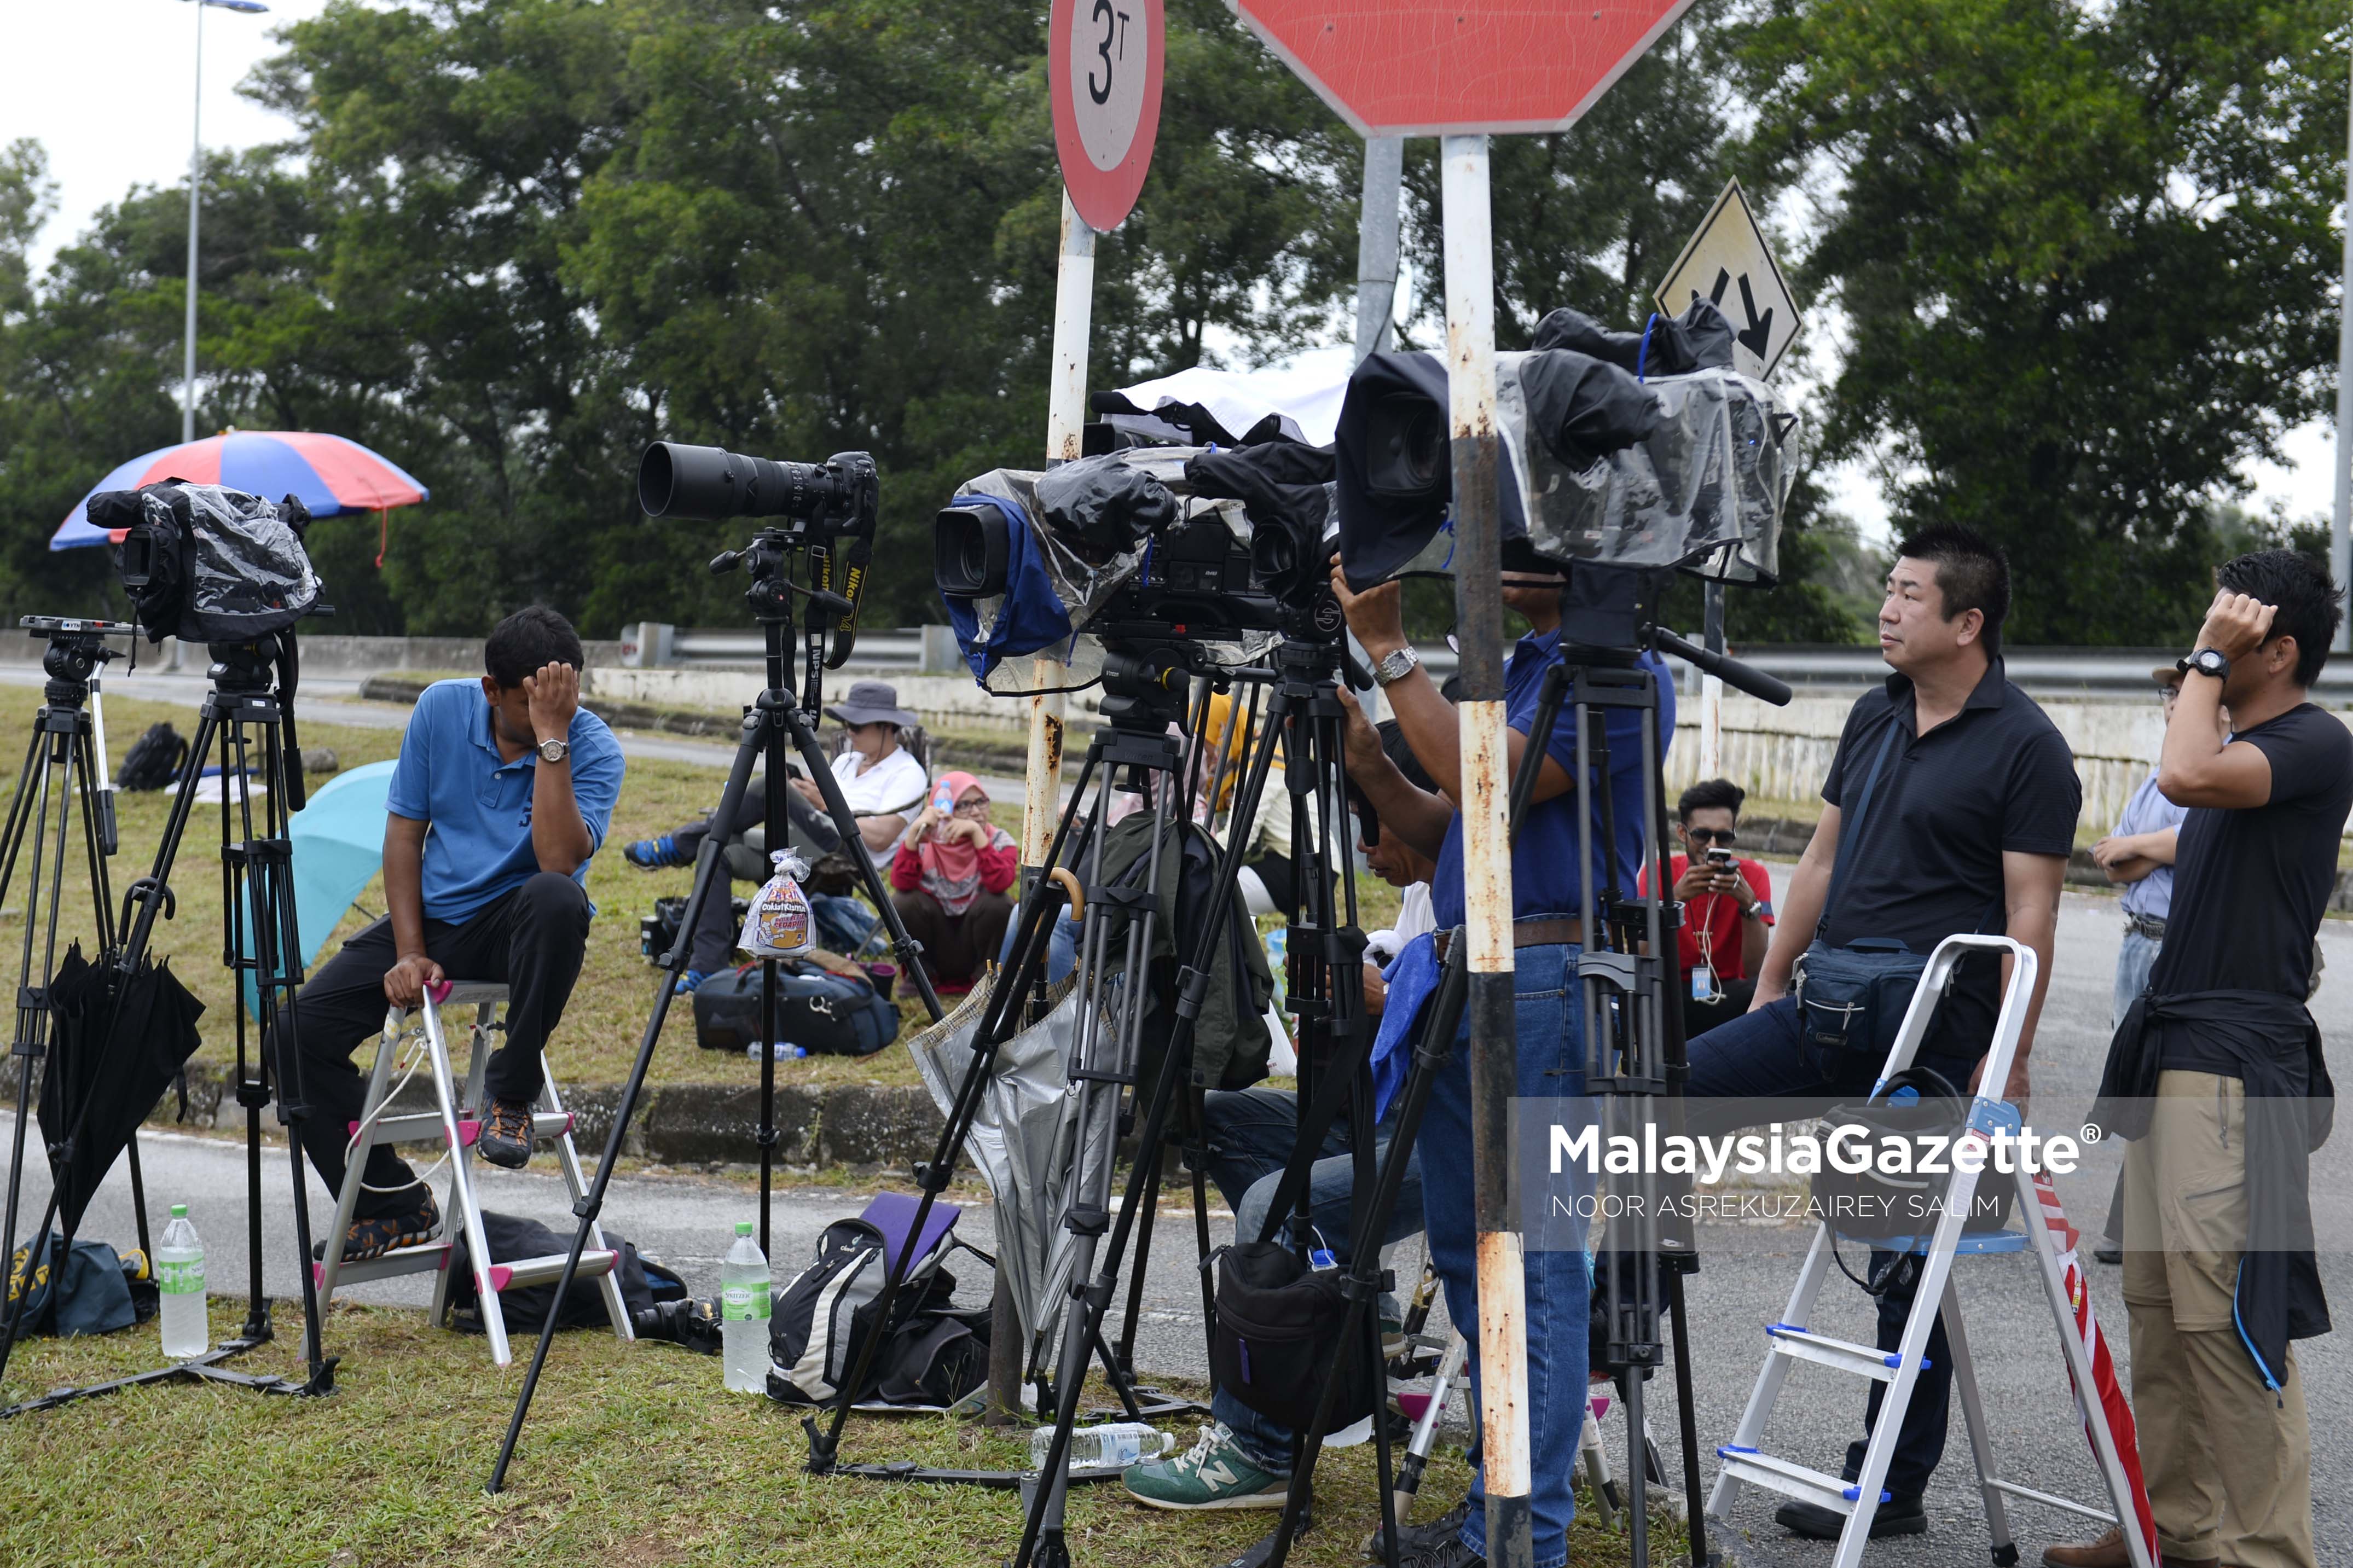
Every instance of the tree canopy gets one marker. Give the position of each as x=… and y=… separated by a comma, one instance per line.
x=2083, y=257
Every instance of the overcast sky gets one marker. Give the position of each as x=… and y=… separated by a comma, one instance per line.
x=106, y=86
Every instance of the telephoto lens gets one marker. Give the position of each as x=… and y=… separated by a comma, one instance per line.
x=678, y=480
x=972, y=545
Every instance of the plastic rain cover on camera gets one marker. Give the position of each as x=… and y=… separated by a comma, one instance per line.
x=1024, y=1142
x=246, y=573
x=1053, y=591
x=1695, y=471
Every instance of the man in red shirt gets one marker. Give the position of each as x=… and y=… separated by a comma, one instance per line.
x=1727, y=906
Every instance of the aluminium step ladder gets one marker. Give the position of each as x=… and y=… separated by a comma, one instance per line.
x=455, y=1122
x=2106, y=1418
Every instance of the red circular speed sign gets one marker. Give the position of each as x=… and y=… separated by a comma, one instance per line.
x=1103, y=67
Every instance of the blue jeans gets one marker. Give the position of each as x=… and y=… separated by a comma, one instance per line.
x=1765, y=1055
x=1062, y=945
x=1249, y=1134
x=1551, y=1037
x=2134, y=961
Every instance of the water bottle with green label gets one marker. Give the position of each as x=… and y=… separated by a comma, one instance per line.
x=180, y=1277
x=744, y=1314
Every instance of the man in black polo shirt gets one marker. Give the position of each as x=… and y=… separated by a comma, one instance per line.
x=2219, y=1058
x=1972, y=800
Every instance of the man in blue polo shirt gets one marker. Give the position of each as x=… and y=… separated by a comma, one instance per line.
x=503, y=792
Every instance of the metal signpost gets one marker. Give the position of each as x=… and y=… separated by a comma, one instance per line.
x=1104, y=64
x=1728, y=263
x=1462, y=71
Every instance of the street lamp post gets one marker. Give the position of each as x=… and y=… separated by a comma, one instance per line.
x=195, y=186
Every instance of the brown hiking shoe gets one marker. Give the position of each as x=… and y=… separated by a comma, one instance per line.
x=387, y=1233
x=505, y=1138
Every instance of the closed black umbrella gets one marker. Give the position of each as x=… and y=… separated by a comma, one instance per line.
x=118, y=1041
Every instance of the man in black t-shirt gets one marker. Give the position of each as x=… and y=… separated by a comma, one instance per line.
x=1970, y=812
x=2219, y=1057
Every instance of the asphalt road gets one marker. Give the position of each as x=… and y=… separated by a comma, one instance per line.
x=1746, y=1276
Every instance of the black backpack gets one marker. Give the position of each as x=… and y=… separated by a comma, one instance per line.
x=934, y=1355
x=153, y=760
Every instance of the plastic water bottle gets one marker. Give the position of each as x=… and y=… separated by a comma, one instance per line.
x=1111, y=1447
x=782, y=1051
x=180, y=1277
x=744, y=1314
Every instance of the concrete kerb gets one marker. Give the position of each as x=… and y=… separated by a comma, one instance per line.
x=871, y=1126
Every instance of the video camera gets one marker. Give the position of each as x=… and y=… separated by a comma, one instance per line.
x=1633, y=450
x=209, y=565
x=821, y=503
x=1219, y=549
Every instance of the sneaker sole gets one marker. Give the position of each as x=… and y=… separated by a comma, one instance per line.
x=1255, y=1500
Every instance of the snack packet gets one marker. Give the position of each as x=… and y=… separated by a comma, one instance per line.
x=779, y=925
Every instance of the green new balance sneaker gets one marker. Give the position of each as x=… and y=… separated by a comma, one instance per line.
x=1213, y=1473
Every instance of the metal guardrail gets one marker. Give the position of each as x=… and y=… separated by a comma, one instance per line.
x=2054, y=671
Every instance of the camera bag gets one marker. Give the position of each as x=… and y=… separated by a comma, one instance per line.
x=1279, y=1321
x=1919, y=1105
x=644, y=1283
x=823, y=1012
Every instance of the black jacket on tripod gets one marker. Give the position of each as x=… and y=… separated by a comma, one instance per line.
x=1230, y=1043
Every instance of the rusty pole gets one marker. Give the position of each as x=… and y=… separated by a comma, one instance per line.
x=1066, y=411
x=1486, y=844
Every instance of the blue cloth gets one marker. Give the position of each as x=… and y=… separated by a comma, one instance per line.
x=1544, y=878
x=1737, y=1070
x=1412, y=977
x=450, y=774
x=2149, y=812
x=1551, y=1032
x=1033, y=618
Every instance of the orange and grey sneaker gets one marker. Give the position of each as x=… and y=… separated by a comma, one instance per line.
x=505, y=1138
x=373, y=1238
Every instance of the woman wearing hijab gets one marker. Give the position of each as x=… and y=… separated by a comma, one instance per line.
x=949, y=879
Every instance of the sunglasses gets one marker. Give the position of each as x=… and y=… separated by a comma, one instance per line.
x=1724, y=835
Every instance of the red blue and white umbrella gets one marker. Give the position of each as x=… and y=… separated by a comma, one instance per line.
x=329, y=473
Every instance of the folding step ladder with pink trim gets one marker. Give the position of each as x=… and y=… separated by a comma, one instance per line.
x=455, y=1122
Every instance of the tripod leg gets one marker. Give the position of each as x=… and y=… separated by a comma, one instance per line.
x=707, y=874
x=1125, y=1355
x=1687, y=1423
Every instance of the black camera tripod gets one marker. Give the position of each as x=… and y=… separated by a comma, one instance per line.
x=1133, y=753
x=248, y=715
x=776, y=718
x=61, y=761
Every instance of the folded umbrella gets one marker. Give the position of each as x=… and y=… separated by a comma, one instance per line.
x=117, y=1041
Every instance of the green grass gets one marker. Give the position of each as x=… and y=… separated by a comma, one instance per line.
x=632, y=1455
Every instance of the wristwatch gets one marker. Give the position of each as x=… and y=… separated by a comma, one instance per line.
x=2206, y=661
x=1395, y=666
x=555, y=751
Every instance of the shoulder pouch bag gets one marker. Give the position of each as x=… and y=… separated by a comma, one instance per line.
x=1853, y=998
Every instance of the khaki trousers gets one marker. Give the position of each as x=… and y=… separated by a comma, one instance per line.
x=2227, y=1461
